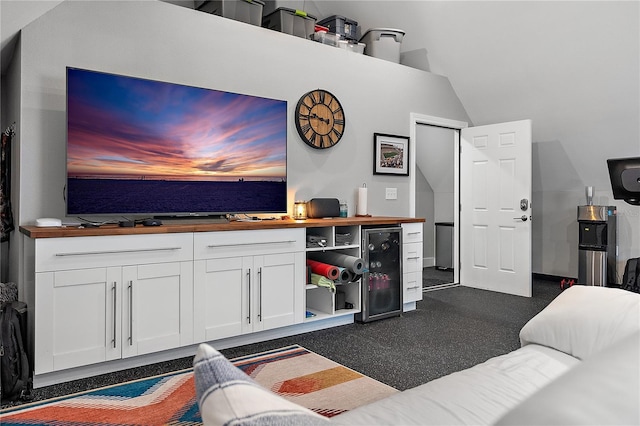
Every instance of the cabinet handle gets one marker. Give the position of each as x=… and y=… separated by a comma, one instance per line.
x=250, y=244
x=411, y=288
x=413, y=258
x=249, y=298
x=130, y=313
x=412, y=233
x=86, y=253
x=114, y=290
x=260, y=294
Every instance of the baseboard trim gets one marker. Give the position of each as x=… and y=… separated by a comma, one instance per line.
x=548, y=277
x=57, y=377
x=439, y=287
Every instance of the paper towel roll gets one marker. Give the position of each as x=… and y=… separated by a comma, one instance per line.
x=362, y=201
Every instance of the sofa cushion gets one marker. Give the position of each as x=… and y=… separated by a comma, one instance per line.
x=583, y=320
x=603, y=390
x=227, y=396
x=478, y=395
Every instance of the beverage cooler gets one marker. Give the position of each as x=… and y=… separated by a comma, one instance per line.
x=382, y=280
x=597, y=249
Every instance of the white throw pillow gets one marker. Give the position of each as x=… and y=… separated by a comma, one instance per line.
x=583, y=320
x=227, y=396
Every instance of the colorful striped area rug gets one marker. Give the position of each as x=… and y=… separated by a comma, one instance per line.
x=294, y=373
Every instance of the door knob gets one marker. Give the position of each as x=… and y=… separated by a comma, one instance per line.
x=522, y=218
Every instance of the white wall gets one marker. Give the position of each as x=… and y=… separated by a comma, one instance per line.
x=558, y=189
x=425, y=208
x=161, y=41
x=435, y=156
x=435, y=162
x=555, y=230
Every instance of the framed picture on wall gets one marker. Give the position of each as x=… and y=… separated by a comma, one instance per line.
x=390, y=154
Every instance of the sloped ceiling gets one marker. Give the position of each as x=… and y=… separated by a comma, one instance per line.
x=572, y=67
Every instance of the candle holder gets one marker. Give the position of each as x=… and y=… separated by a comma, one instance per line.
x=300, y=210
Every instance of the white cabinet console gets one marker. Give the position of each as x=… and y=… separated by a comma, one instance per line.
x=109, y=298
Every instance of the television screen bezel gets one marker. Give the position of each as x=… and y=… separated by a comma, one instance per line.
x=174, y=214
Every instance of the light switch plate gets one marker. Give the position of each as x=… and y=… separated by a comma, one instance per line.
x=391, y=194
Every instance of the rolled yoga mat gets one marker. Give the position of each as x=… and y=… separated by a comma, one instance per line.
x=330, y=271
x=352, y=263
x=345, y=275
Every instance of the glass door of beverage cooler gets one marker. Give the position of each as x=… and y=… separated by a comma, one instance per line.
x=382, y=280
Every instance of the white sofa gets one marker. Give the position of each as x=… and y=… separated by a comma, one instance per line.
x=578, y=364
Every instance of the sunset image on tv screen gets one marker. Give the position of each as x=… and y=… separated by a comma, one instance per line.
x=131, y=136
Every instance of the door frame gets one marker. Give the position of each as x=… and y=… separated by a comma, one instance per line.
x=416, y=119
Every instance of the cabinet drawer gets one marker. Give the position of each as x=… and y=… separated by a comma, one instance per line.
x=211, y=245
x=412, y=285
x=56, y=254
x=411, y=232
x=412, y=257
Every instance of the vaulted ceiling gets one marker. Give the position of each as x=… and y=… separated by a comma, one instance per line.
x=573, y=67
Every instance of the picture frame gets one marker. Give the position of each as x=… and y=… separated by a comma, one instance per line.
x=390, y=154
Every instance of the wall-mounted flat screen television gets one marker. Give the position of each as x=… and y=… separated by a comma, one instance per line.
x=145, y=147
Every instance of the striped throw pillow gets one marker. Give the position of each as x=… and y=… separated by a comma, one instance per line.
x=227, y=396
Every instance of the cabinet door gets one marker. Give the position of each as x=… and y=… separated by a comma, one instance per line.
x=277, y=288
x=78, y=318
x=157, y=307
x=219, y=292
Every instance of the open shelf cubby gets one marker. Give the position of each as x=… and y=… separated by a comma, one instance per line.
x=321, y=302
x=331, y=237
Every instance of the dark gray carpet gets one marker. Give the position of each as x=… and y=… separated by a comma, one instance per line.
x=451, y=329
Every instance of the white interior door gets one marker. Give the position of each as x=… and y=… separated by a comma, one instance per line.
x=495, y=217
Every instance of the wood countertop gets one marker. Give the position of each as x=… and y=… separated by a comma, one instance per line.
x=75, y=231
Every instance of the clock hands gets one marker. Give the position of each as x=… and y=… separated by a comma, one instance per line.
x=324, y=120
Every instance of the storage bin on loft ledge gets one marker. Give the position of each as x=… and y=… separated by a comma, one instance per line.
x=249, y=11
x=383, y=43
x=345, y=27
x=290, y=21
